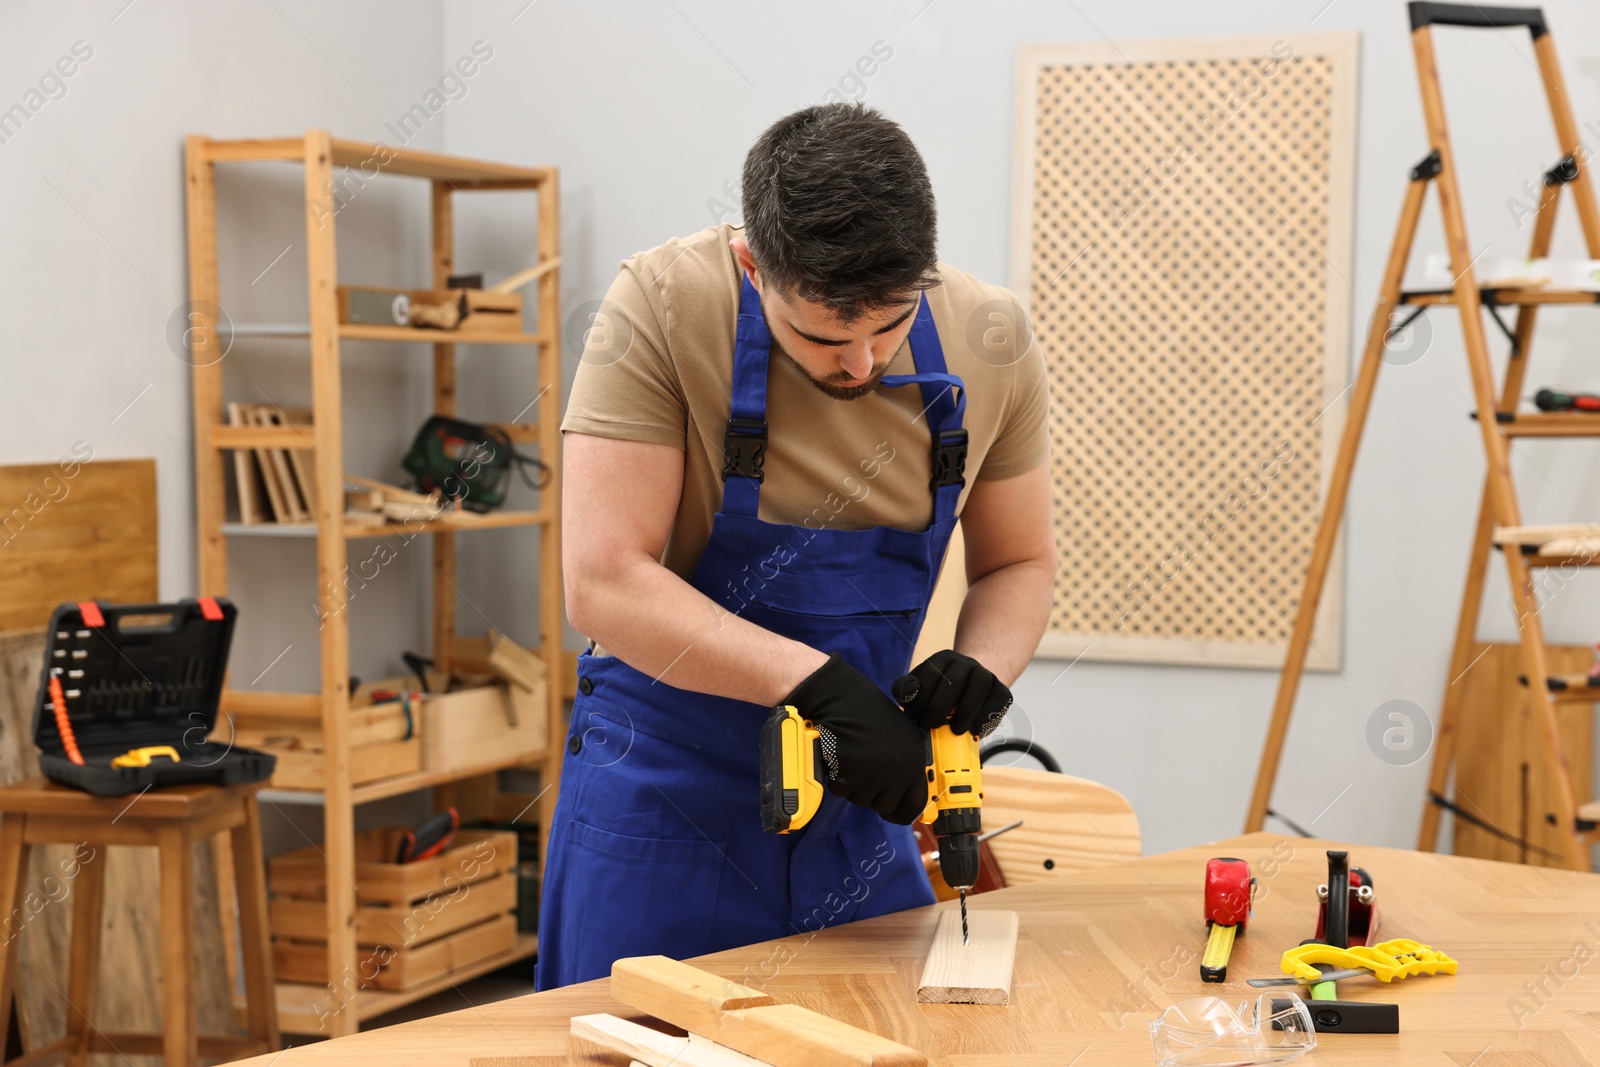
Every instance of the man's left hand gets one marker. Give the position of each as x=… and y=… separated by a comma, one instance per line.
x=957, y=691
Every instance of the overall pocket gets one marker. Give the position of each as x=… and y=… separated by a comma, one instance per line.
x=634, y=896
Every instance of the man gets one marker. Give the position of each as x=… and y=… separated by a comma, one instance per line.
x=768, y=442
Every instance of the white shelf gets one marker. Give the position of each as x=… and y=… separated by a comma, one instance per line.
x=271, y=329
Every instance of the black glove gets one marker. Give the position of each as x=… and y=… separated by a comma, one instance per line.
x=956, y=691
x=876, y=757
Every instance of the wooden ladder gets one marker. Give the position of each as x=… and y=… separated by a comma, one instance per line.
x=1499, y=520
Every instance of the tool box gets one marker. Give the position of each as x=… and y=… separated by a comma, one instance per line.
x=138, y=677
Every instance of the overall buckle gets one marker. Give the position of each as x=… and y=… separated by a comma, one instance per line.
x=949, y=458
x=744, y=449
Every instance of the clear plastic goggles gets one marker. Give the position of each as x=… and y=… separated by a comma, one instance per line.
x=1210, y=1031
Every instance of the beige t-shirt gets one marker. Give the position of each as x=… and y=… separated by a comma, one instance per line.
x=658, y=366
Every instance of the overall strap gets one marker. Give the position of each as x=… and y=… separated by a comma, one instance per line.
x=744, y=443
x=944, y=403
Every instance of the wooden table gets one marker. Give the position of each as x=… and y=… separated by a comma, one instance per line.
x=1102, y=952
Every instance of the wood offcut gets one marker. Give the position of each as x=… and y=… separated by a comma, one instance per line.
x=977, y=971
x=784, y=1035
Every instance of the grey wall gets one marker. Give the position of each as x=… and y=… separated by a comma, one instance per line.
x=93, y=267
x=648, y=108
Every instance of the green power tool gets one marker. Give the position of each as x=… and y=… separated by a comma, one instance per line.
x=468, y=462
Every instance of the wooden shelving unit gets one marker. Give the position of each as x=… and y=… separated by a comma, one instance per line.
x=340, y=1008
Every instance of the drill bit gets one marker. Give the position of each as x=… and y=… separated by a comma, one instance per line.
x=964, y=939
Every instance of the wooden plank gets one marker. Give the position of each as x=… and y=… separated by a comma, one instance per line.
x=654, y=1048
x=281, y=474
x=412, y=163
x=977, y=971
x=513, y=663
x=260, y=702
x=277, y=502
x=443, y=591
x=552, y=609
x=392, y=494
x=309, y=770
x=77, y=529
x=682, y=995
x=1538, y=535
x=786, y=1035
x=523, y=277
x=251, y=150
x=205, y=354
x=338, y=808
x=301, y=460
x=1587, y=548
x=353, y=331
x=247, y=482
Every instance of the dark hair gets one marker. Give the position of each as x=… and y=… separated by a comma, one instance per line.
x=838, y=209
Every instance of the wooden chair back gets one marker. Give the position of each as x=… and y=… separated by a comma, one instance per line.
x=1068, y=824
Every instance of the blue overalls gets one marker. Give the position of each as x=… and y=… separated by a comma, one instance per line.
x=657, y=845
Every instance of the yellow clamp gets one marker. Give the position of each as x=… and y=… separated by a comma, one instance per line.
x=142, y=757
x=1417, y=958
x=1388, y=960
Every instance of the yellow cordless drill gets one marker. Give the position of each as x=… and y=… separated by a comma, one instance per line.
x=794, y=776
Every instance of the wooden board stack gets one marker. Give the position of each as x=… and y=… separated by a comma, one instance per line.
x=729, y=1025
x=379, y=503
x=274, y=484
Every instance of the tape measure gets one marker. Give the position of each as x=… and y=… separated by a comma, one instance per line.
x=1230, y=892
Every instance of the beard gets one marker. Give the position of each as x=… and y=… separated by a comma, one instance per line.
x=831, y=386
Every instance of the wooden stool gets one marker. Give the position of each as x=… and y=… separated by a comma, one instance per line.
x=38, y=812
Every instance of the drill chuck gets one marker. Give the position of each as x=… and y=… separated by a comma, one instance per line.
x=957, y=830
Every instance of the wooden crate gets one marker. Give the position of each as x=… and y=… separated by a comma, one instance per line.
x=1500, y=765
x=383, y=743
x=473, y=856
x=401, y=925
x=472, y=727
x=414, y=921
x=384, y=967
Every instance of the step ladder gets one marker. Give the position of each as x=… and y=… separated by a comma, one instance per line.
x=1500, y=526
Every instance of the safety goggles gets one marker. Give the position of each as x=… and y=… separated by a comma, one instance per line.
x=1210, y=1031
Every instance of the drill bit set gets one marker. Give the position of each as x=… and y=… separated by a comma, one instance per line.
x=128, y=695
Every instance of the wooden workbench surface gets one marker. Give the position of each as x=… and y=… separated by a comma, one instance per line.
x=1102, y=952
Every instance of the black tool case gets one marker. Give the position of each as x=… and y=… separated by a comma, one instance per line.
x=138, y=675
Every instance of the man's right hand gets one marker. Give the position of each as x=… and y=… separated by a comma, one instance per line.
x=877, y=755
